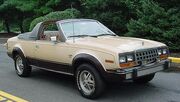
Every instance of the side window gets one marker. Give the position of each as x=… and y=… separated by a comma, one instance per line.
x=67, y=28
x=49, y=31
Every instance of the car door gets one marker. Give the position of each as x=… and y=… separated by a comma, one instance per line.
x=28, y=49
x=51, y=55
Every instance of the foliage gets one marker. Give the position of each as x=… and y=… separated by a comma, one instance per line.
x=113, y=13
x=152, y=19
x=167, y=4
x=66, y=14
x=1, y=26
x=26, y=24
x=154, y=22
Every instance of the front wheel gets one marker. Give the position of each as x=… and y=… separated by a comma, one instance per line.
x=144, y=79
x=89, y=82
x=21, y=66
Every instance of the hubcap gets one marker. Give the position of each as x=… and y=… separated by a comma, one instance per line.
x=19, y=65
x=87, y=82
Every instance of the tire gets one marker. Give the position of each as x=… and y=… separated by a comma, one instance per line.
x=21, y=66
x=144, y=79
x=89, y=82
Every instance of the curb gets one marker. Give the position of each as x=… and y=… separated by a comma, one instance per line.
x=174, y=59
x=3, y=38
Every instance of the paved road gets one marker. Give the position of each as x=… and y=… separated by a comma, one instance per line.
x=3, y=40
x=45, y=86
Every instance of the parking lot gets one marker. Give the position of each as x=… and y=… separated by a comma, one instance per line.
x=45, y=86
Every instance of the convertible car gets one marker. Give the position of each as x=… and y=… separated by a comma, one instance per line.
x=89, y=51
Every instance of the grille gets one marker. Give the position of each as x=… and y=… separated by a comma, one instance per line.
x=146, y=56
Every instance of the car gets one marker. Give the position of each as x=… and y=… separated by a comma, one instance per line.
x=89, y=51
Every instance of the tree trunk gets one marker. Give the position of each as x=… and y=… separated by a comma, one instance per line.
x=21, y=18
x=7, y=25
x=21, y=27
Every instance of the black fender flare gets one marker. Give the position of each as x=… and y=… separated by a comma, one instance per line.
x=86, y=58
x=15, y=51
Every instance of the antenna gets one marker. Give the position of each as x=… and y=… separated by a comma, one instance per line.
x=72, y=3
x=72, y=16
x=73, y=32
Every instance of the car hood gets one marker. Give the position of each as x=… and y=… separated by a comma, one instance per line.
x=116, y=43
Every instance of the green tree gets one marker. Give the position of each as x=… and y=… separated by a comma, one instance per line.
x=31, y=9
x=152, y=19
x=113, y=13
x=58, y=15
x=13, y=12
x=168, y=4
x=154, y=22
x=5, y=14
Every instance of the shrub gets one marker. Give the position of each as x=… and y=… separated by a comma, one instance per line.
x=26, y=24
x=58, y=15
x=154, y=22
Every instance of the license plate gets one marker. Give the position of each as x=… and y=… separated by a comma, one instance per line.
x=150, y=70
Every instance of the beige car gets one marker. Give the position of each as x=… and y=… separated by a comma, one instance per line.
x=89, y=51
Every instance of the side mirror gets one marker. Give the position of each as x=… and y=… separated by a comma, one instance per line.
x=53, y=39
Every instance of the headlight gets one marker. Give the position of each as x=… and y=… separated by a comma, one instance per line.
x=122, y=59
x=159, y=52
x=127, y=60
x=130, y=58
x=164, y=51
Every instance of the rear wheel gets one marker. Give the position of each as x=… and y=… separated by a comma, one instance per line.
x=21, y=66
x=144, y=79
x=89, y=82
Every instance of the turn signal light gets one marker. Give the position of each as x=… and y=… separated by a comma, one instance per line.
x=127, y=65
x=109, y=61
x=162, y=57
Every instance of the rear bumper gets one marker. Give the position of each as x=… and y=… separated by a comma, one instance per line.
x=135, y=72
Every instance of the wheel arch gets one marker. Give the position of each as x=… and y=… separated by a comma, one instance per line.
x=87, y=58
x=17, y=50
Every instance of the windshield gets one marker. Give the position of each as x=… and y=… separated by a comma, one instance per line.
x=84, y=28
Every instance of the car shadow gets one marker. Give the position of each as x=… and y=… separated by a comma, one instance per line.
x=116, y=91
x=128, y=88
x=53, y=77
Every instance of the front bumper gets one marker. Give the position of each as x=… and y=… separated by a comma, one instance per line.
x=135, y=72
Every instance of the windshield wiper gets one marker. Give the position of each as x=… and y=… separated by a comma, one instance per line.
x=81, y=36
x=106, y=34
x=91, y=35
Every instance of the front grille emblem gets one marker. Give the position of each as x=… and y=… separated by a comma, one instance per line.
x=144, y=62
